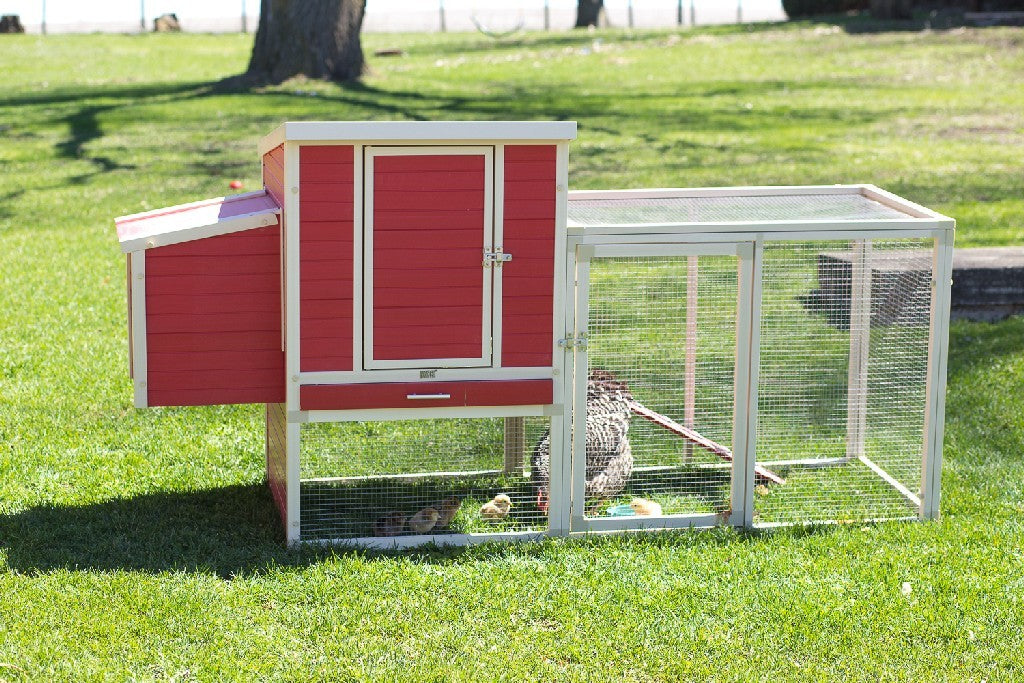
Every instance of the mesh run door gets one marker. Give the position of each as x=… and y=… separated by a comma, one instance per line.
x=659, y=385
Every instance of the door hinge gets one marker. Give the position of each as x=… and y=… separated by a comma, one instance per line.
x=497, y=257
x=569, y=343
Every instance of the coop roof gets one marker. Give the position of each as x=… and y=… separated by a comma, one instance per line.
x=744, y=208
x=418, y=131
x=187, y=222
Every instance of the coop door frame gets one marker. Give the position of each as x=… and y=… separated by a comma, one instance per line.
x=744, y=382
x=485, y=359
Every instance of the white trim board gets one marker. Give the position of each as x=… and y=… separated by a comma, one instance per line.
x=417, y=131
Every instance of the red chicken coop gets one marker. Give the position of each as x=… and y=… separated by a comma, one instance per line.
x=451, y=348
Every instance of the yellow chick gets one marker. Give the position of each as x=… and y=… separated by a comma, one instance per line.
x=497, y=508
x=642, y=506
x=446, y=512
x=389, y=524
x=423, y=521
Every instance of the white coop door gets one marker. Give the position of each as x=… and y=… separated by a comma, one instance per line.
x=429, y=220
x=661, y=373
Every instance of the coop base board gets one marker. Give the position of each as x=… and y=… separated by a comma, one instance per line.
x=441, y=540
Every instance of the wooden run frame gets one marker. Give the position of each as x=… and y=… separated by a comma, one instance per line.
x=576, y=245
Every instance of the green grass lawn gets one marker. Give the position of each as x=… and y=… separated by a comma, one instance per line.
x=144, y=544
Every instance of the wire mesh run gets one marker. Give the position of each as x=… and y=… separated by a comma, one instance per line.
x=843, y=378
x=662, y=351
x=724, y=209
x=443, y=476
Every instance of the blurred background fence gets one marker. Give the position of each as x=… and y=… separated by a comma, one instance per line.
x=222, y=16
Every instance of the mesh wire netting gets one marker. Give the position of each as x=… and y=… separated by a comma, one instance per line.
x=650, y=328
x=361, y=479
x=860, y=431
x=668, y=210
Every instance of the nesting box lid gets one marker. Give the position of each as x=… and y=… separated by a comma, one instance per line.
x=197, y=220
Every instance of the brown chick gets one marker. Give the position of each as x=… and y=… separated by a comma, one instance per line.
x=423, y=521
x=497, y=508
x=642, y=506
x=446, y=512
x=389, y=524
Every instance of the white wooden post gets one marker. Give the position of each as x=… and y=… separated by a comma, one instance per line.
x=934, y=427
x=748, y=355
x=860, y=343
x=515, y=444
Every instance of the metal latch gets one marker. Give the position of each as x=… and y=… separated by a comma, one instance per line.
x=570, y=343
x=496, y=257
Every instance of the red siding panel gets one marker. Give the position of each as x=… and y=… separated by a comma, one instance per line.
x=326, y=242
x=431, y=293
x=529, y=235
x=396, y=395
x=213, y=320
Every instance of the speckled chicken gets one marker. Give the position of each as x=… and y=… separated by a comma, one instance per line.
x=609, y=456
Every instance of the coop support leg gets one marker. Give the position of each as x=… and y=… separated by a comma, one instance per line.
x=515, y=444
x=860, y=342
x=292, y=526
x=935, y=406
x=745, y=381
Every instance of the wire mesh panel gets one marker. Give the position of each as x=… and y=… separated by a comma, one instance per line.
x=441, y=476
x=726, y=208
x=843, y=375
x=662, y=350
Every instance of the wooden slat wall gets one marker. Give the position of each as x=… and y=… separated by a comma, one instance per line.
x=529, y=235
x=428, y=220
x=213, y=320
x=273, y=173
x=326, y=243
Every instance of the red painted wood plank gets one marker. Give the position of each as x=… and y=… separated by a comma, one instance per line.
x=531, y=249
x=220, y=360
x=528, y=153
x=528, y=287
x=534, y=170
x=177, y=303
x=320, y=250
x=224, y=341
x=530, y=209
x=396, y=317
x=462, y=180
x=324, y=211
x=215, y=379
x=325, y=154
x=203, y=265
x=211, y=323
x=426, y=352
x=529, y=190
x=455, y=278
x=405, y=299
x=416, y=200
x=222, y=245
x=314, y=271
x=442, y=261
x=438, y=334
x=526, y=305
x=334, y=191
x=520, y=268
x=314, y=349
x=526, y=360
x=428, y=163
x=257, y=283
x=327, y=231
x=395, y=395
x=439, y=239
x=209, y=397
x=337, y=292
x=428, y=220
x=322, y=363
x=330, y=329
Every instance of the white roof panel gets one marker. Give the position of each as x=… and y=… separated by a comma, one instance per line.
x=198, y=220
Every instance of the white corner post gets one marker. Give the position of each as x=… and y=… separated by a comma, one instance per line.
x=860, y=344
x=938, y=351
x=290, y=230
x=745, y=378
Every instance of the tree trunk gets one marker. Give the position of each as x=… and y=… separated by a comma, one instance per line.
x=590, y=13
x=314, y=38
x=892, y=9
